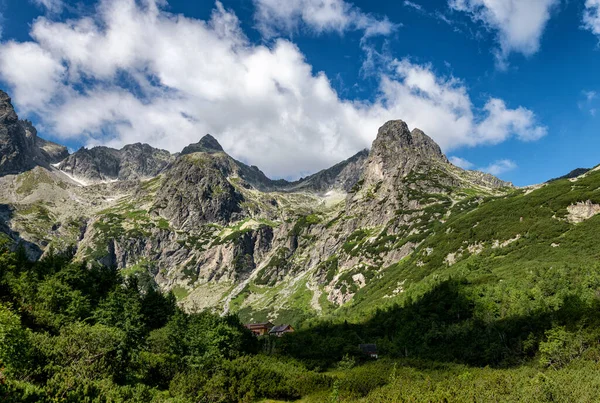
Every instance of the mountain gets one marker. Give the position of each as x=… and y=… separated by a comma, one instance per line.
x=20, y=147
x=480, y=291
x=100, y=164
x=222, y=235
x=340, y=176
x=573, y=174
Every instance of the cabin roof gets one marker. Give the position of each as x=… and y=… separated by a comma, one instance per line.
x=279, y=328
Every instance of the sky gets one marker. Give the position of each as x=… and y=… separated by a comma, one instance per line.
x=510, y=87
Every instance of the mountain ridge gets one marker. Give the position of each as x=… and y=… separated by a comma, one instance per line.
x=222, y=235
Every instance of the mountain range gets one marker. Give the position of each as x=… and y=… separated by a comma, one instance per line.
x=222, y=235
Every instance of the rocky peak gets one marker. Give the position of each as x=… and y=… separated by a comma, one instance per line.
x=394, y=140
x=20, y=147
x=207, y=144
x=397, y=151
x=342, y=176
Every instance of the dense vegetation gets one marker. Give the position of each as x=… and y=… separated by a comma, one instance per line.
x=518, y=322
x=72, y=332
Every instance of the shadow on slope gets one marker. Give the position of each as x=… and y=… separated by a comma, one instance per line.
x=447, y=325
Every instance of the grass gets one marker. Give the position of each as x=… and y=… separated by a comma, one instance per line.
x=180, y=292
x=28, y=181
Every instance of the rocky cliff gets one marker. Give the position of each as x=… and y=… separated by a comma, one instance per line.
x=20, y=147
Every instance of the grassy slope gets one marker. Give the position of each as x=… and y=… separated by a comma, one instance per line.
x=536, y=218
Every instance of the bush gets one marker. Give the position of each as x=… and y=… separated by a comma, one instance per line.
x=15, y=344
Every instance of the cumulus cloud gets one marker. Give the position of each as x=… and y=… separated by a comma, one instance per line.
x=499, y=167
x=133, y=72
x=591, y=16
x=461, y=162
x=274, y=16
x=443, y=108
x=519, y=24
x=34, y=71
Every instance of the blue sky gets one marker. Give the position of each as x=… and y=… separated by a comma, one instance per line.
x=507, y=86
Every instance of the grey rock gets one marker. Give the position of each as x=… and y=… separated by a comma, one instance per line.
x=134, y=161
x=196, y=191
x=20, y=147
x=343, y=175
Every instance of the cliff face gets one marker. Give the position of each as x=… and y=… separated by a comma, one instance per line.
x=20, y=147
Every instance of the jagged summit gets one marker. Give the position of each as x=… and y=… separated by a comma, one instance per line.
x=207, y=144
x=395, y=140
x=397, y=151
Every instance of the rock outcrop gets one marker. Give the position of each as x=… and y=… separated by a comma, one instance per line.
x=196, y=191
x=342, y=176
x=20, y=147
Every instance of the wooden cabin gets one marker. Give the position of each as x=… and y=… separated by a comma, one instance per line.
x=260, y=329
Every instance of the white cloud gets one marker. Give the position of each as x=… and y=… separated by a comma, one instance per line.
x=34, y=71
x=461, y=162
x=591, y=16
x=52, y=6
x=133, y=72
x=501, y=121
x=519, y=24
x=414, y=5
x=499, y=167
x=273, y=16
x=443, y=108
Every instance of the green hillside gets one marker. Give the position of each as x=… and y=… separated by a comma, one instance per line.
x=512, y=315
